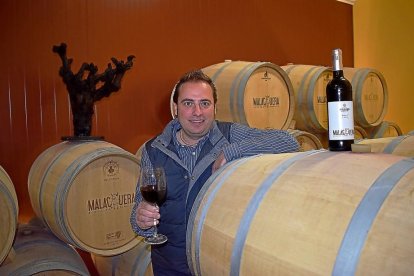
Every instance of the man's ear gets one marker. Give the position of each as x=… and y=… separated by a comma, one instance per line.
x=175, y=110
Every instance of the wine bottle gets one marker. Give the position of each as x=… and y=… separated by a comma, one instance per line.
x=340, y=107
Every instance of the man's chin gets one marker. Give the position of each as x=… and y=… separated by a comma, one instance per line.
x=198, y=129
x=198, y=132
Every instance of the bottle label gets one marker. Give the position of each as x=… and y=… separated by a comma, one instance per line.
x=341, y=120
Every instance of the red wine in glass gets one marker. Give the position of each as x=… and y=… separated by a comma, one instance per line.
x=152, y=195
x=153, y=187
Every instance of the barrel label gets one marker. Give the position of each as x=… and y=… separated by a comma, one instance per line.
x=111, y=202
x=111, y=168
x=371, y=97
x=266, y=76
x=114, y=235
x=321, y=99
x=266, y=102
x=114, y=238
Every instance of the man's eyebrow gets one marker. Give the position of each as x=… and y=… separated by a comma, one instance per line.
x=192, y=100
x=187, y=100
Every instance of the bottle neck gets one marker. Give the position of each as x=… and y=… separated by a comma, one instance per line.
x=338, y=73
x=337, y=60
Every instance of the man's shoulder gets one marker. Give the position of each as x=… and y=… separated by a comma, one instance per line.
x=223, y=128
x=166, y=135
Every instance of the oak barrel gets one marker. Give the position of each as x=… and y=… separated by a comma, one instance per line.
x=136, y=261
x=307, y=213
x=360, y=133
x=400, y=145
x=309, y=86
x=369, y=94
x=385, y=129
x=84, y=192
x=257, y=94
x=9, y=210
x=307, y=141
x=39, y=252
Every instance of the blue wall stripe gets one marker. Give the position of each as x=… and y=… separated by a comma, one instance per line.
x=354, y=238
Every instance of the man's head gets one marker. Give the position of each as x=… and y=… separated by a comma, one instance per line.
x=194, y=76
x=194, y=99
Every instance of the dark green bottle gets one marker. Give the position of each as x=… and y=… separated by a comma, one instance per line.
x=340, y=107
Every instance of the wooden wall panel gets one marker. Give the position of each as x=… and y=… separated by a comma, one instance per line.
x=168, y=38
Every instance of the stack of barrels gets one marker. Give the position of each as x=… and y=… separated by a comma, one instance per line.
x=306, y=213
x=351, y=208
x=370, y=97
x=36, y=251
x=82, y=192
x=257, y=94
x=293, y=97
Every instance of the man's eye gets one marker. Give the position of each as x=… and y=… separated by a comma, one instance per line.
x=205, y=104
x=188, y=104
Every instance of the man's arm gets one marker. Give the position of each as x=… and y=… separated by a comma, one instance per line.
x=142, y=211
x=246, y=141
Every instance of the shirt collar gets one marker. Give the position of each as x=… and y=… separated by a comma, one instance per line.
x=170, y=131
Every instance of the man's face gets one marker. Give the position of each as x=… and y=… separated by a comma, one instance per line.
x=195, y=109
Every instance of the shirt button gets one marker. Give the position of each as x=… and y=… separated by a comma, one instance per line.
x=192, y=178
x=185, y=177
x=193, y=153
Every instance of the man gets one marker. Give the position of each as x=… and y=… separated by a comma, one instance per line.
x=190, y=149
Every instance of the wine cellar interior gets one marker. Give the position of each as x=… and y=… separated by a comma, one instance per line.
x=66, y=202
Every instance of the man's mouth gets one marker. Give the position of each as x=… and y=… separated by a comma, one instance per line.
x=198, y=121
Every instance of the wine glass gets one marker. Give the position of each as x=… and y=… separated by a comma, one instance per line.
x=153, y=187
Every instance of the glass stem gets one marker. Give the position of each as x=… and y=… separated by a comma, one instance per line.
x=155, y=225
x=155, y=231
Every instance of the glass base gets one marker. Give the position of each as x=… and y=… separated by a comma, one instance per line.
x=157, y=239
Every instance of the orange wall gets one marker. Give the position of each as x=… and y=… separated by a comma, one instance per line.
x=384, y=41
x=168, y=38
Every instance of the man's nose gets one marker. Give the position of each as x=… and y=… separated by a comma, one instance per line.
x=197, y=109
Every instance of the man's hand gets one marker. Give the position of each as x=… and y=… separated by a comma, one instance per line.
x=147, y=215
x=220, y=161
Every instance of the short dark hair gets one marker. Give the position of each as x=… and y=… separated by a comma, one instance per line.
x=194, y=76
